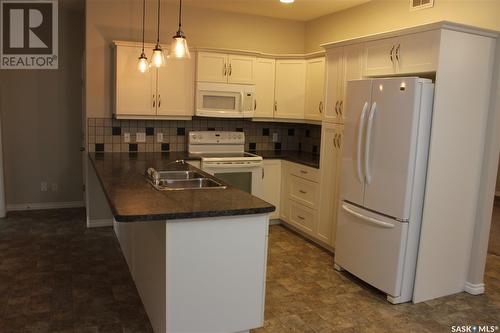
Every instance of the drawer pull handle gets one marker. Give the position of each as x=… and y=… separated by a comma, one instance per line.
x=303, y=192
x=303, y=171
x=301, y=217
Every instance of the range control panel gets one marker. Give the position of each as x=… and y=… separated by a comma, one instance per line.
x=214, y=137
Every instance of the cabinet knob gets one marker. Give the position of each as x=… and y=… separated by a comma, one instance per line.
x=154, y=100
x=320, y=107
x=340, y=108
x=337, y=108
x=224, y=70
x=230, y=69
x=397, y=52
x=391, y=54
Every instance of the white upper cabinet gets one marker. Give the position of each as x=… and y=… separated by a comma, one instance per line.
x=212, y=67
x=343, y=64
x=414, y=53
x=176, y=88
x=241, y=69
x=225, y=68
x=166, y=92
x=264, y=88
x=315, y=88
x=135, y=92
x=290, y=89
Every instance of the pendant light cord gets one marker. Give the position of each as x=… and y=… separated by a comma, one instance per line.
x=180, y=14
x=143, y=20
x=158, y=30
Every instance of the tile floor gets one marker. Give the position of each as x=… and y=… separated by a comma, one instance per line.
x=58, y=276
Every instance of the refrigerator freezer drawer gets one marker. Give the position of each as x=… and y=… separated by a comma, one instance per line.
x=371, y=247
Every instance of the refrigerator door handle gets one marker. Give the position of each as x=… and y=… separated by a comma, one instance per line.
x=361, y=126
x=367, y=218
x=368, y=142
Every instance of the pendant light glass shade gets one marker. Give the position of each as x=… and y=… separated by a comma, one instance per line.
x=179, y=48
x=143, y=64
x=158, y=58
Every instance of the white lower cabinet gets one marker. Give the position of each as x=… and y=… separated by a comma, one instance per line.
x=272, y=185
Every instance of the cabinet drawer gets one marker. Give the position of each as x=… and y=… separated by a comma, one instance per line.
x=303, y=171
x=303, y=217
x=304, y=191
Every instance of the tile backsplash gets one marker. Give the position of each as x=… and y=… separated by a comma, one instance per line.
x=107, y=135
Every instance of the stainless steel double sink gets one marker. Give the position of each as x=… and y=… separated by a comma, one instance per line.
x=181, y=180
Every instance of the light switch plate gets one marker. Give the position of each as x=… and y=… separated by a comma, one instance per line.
x=140, y=137
x=159, y=137
x=126, y=137
x=275, y=137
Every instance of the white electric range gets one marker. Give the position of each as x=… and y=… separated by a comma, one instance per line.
x=223, y=155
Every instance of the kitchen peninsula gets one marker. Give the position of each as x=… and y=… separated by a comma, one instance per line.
x=197, y=256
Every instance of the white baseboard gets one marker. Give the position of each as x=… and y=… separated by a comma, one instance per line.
x=474, y=289
x=98, y=223
x=274, y=221
x=44, y=205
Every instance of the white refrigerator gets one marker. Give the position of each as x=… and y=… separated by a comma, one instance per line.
x=384, y=165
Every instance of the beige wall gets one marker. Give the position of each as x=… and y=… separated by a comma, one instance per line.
x=108, y=20
x=41, y=121
x=498, y=181
x=384, y=15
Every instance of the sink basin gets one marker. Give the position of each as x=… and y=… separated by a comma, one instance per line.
x=179, y=175
x=199, y=183
x=181, y=180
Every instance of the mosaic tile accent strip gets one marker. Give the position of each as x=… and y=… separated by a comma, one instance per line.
x=107, y=135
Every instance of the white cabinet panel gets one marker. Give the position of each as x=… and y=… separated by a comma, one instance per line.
x=315, y=88
x=304, y=191
x=176, y=88
x=212, y=67
x=331, y=141
x=334, y=79
x=418, y=52
x=264, y=88
x=303, y=218
x=241, y=69
x=380, y=57
x=135, y=92
x=290, y=89
x=272, y=185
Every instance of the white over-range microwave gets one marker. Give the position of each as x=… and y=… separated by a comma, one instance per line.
x=225, y=100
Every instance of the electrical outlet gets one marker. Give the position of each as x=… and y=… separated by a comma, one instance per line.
x=54, y=187
x=43, y=186
x=140, y=137
x=159, y=137
x=126, y=137
x=275, y=137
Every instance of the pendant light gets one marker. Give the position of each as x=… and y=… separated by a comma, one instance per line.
x=158, y=59
x=179, y=48
x=143, y=64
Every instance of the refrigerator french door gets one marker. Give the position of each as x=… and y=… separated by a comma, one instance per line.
x=384, y=165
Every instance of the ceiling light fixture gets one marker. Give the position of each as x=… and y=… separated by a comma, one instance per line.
x=287, y=1
x=158, y=59
x=143, y=64
x=179, y=48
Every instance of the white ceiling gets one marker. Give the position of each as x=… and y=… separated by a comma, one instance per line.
x=301, y=10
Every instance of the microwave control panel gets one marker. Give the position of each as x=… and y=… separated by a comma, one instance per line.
x=248, y=98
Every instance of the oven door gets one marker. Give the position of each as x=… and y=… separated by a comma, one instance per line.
x=242, y=176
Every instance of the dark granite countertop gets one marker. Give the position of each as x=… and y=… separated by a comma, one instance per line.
x=132, y=198
x=301, y=157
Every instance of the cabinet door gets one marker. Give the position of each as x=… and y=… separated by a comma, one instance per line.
x=272, y=185
x=380, y=57
x=135, y=92
x=290, y=89
x=331, y=140
x=264, y=88
x=353, y=70
x=176, y=88
x=212, y=67
x=417, y=53
x=315, y=88
x=241, y=69
x=334, y=79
